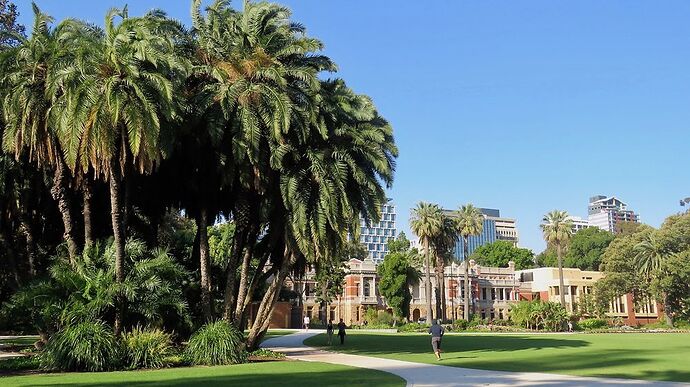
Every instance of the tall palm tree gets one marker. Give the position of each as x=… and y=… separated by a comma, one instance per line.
x=426, y=222
x=443, y=246
x=261, y=78
x=26, y=106
x=557, y=229
x=469, y=222
x=650, y=255
x=116, y=99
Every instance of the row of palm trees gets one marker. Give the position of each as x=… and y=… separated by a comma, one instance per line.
x=229, y=118
x=438, y=233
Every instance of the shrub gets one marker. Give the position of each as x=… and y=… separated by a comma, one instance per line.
x=86, y=346
x=592, y=323
x=267, y=354
x=20, y=363
x=461, y=325
x=413, y=327
x=216, y=344
x=147, y=348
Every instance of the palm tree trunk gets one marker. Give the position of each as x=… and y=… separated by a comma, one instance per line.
x=241, y=219
x=561, y=287
x=118, y=236
x=88, y=224
x=59, y=193
x=244, y=275
x=263, y=314
x=466, y=299
x=667, y=311
x=204, y=265
x=440, y=296
x=26, y=229
x=427, y=283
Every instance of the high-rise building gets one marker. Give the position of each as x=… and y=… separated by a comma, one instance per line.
x=578, y=223
x=607, y=212
x=495, y=228
x=375, y=236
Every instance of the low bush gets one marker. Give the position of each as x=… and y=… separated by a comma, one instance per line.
x=592, y=323
x=147, y=348
x=461, y=325
x=267, y=354
x=20, y=363
x=86, y=346
x=413, y=327
x=216, y=343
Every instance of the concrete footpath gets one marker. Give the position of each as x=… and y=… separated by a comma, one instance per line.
x=418, y=374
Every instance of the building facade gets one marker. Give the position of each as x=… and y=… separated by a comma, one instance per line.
x=579, y=223
x=543, y=284
x=608, y=212
x=495, y=228
x=375, y=236
x=492, y=292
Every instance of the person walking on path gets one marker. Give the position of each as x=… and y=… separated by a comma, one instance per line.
x=436, y=331
x=306, y=322
x=341, y=331
x=329, y=332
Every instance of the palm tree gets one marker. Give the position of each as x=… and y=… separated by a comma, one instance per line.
x=26, y=109
x=442, y=246
x=650, y=255
x=470, y=222
x=557, y=229
x=426, y=222
x=260, y=74
x=116, y=100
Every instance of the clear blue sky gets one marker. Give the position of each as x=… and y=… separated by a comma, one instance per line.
x=525, y=106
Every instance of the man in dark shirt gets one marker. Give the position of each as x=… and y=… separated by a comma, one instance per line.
x=436, y=331
x=341, y=331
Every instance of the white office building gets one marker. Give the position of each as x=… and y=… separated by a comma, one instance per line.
x=579, y=223
x=375, y=236
x=607, y=212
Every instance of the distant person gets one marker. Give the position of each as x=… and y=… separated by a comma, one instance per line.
x=570, y=326
x=306, y=322
x=341, y=331
x=329, y=332
x=436, y=331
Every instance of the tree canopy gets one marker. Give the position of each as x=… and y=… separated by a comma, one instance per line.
x=499, y=253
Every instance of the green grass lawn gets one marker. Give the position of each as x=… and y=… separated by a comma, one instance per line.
x=634, y=355
x=20, y=340
x=283, y=373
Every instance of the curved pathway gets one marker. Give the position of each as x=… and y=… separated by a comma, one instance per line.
x=418, y=374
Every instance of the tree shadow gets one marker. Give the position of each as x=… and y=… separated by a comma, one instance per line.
x=331, y=378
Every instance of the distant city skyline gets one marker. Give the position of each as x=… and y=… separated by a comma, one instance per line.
x=526, y=107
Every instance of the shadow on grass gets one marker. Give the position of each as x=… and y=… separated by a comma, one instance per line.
x=549, y=354
x=290, y=375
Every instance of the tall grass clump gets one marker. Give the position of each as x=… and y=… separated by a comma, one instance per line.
x=86, y=346
x=147, y=348
x=216, y=343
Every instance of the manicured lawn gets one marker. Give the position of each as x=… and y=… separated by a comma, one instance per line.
x=284, y=373
x=276, y=333
x=29, y=340
x=638, y=356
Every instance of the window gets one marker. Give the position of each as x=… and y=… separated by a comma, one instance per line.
x=366, y=289
x=493, y=295
x=483, y=294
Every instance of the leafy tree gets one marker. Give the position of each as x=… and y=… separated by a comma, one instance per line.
x=399, y=244
x=396, y=275
x=499, y=253
x=426, y=222
x=557, y=230
x=586, y=248
x=470, y=221
x=10, y=30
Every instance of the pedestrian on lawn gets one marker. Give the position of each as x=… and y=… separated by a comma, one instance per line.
x=570, y=326
x=306, y=322
x=341, y=331
x=329, y=332
x=436, y=331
